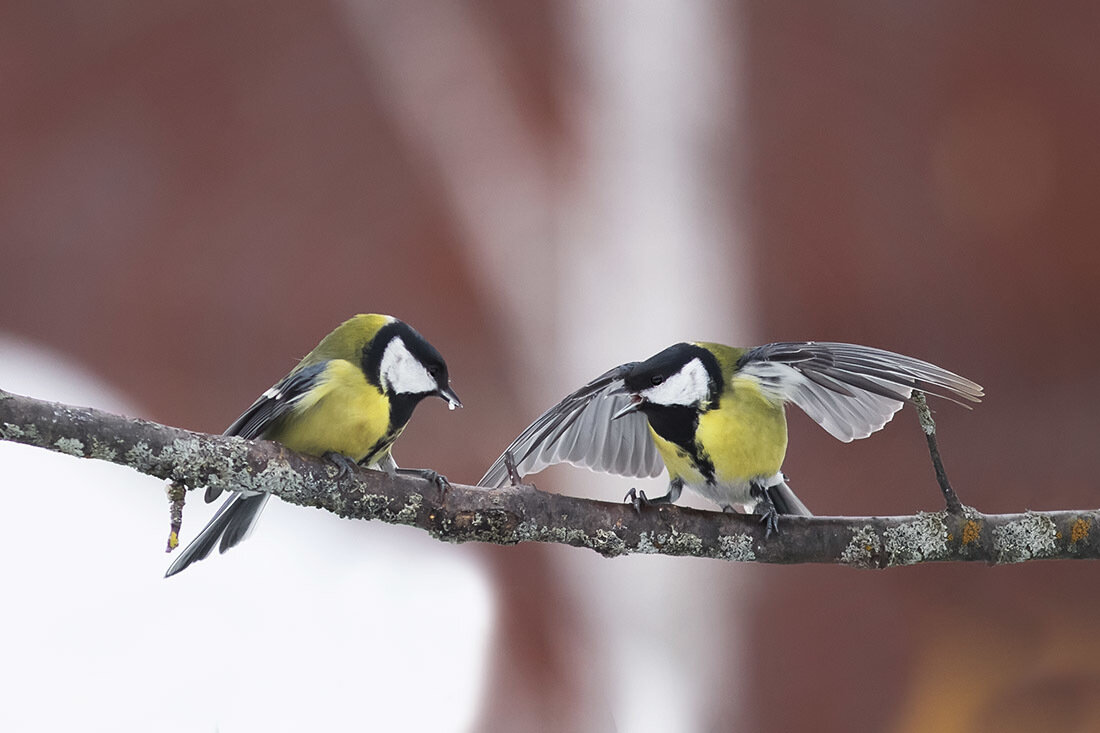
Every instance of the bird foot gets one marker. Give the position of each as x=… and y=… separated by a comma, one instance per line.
x=765, y=509
x=427, y=473
x=770, y=519
x=638, y=499
x=342, y=462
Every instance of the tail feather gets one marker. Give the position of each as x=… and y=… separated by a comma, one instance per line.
x=229, y=526
x=785, y=501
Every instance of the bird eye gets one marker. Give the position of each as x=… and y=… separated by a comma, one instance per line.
x=434, y=370
x=657, y=379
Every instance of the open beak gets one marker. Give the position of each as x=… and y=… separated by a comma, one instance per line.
x=449, y=394
x=634, y=405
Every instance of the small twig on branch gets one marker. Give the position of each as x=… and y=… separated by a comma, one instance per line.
x=513, y=472
x=177, y=495
x=928, y=426
x=525, y=514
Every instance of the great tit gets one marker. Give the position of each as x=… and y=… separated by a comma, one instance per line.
x=348, y=400
x=714, y=417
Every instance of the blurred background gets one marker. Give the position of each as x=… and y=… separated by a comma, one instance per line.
x=194, y=193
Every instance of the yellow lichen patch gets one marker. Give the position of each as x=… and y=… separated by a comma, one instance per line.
x=971, y=531
x=1080, y=530
x=173, y=540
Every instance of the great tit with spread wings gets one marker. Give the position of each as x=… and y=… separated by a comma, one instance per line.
x=348, y=400
x=714, y=417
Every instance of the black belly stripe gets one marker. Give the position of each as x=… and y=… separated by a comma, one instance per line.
x=381, y=447
x=703, y=463
x=401, y=409
x=677, y=425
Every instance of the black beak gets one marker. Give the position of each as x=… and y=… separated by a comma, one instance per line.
x=449, y=394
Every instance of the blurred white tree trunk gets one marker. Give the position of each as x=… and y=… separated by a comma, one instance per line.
x=606, y=256
x=651, y=256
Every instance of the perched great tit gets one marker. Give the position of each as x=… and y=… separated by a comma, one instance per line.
x=348, y=400
x=714, y=417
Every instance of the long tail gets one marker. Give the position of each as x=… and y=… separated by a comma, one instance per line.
x=232, y=523
x=785, y=501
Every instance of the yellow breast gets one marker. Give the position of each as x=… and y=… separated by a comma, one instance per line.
x=746, y=437
x=344, y=414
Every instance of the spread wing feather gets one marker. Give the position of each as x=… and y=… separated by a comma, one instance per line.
x=579, y=430
x=849, y=390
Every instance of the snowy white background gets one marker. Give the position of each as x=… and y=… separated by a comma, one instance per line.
x=313, y=624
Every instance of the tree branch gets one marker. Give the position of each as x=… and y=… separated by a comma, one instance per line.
x=525, y=514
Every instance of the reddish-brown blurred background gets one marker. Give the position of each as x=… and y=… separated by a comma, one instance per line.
x=192, y=193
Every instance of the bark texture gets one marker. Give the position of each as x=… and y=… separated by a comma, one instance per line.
x=459, y=513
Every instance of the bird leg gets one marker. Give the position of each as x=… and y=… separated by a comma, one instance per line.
x=765, y=509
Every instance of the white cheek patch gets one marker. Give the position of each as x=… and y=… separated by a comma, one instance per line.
x=401, y=371
x=688, y=386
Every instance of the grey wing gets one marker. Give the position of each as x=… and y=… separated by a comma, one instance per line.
x=579, y=430
x=271, y=406
x=849, y=390
x=275, y=402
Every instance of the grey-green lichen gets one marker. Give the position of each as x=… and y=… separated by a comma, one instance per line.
x=409, y=512
x=185, y=452
x=646, y=545
x=140, y=456
x=1031, y=537
x=11, y=431
x=736, y=547
x=102, y=452
x=528, y=531
x=371, y=506
x=607, y=543
x=531, y=531
x=70, y=446
x=684, y=543
x=224, y=467
x=924, y=415
x=860, y=552
x=921, y=540
x=603, y=541
x=672, y=542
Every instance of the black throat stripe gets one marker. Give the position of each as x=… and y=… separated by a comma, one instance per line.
x=677, y=425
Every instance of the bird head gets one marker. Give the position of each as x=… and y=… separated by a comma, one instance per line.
x=394, y=357
x=407, y=365
x=683, y=375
